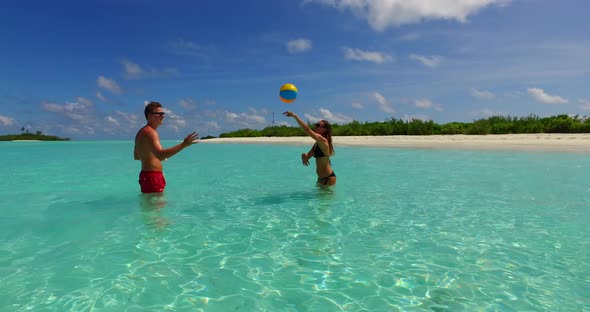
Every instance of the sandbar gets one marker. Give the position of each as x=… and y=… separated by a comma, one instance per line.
x=558, y=142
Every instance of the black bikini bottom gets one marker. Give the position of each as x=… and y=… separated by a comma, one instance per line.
x=324, y=180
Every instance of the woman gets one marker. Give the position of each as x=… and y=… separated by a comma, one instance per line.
x=321, y=150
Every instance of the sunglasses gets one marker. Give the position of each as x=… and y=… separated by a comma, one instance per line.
x=158, y=113
x=318, y=125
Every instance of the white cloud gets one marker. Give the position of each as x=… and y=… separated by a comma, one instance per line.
x=427, y=104
x=207, y=128
x=212, y=122
x=190, y=48
x=485, y=95
x=407, y=117
x=381, y=14
x=312, y=118
x=80, y=112
x=80, y=117
x=282, y=123
x=423, y=103
x=369, y=56
x=210, y=102
x=486, y=112
x=298, y=45
x=540, y=96
x=100, y=96
x=134, y=71
x=252, y=120
x=188, y=104
x=132, y=121
x=52, y=107
x=6, y=121
x=77, y=129
x=84, y=101
x=71, y=129
x=177, y=123
x=358, y=105
x=585, y=104
x=384, y=104
x=113, y=121
x=334, y=117
x=109, y=84
x=231, y=115
x=428, y=61
x=325, y=114
x=173, y=121
x=212, y=125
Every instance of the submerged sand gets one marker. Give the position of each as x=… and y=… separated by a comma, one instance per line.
x=560, y=142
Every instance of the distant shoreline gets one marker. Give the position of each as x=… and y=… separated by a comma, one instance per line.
x=558, y=142
x=30, y=137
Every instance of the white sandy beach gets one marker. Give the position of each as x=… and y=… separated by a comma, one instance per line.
x=577, y=142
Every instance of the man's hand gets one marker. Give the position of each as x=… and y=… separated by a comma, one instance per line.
x=288, y=114
x=305, y=159
x=190, y=139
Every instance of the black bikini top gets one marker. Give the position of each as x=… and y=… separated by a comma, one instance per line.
x=317, y=151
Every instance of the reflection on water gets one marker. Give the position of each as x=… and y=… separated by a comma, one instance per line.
x=322, y=195
x=326, y=192
x=325, y=198
x=151, y=205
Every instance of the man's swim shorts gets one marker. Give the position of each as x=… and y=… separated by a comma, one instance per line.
x=152, y=181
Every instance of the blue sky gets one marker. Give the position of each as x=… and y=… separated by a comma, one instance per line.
x=85, y=69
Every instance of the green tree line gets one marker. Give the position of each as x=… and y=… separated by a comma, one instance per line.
x=31, y=136
x=393, y=126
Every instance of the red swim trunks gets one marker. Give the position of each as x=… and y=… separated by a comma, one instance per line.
x=152, y=181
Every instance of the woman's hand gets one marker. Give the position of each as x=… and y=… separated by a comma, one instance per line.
x=305, y=159
x=289, y=114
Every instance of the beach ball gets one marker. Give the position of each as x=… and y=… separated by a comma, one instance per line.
x=288, y=93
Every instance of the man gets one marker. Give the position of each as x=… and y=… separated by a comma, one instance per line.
x=149, y=150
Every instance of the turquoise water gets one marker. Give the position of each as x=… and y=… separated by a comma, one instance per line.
x=243, y=228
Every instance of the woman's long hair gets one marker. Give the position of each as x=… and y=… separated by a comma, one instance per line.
x=328, y=135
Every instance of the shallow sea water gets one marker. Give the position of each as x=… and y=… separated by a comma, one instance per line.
x=244, y=228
